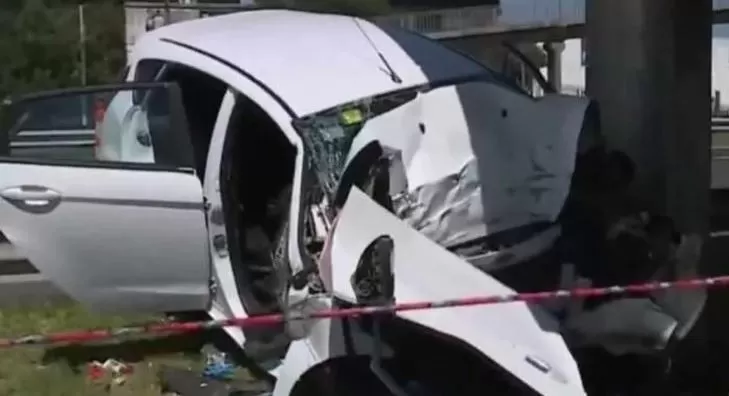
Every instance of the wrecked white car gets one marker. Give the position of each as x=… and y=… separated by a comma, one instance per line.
x=266, y=160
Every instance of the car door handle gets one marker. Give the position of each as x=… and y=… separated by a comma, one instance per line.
x=32, y=199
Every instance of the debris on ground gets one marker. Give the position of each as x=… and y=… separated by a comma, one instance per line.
x=218, y=377
x=184, y=382
x=187, y=382
x=77, y=370
x=218, y=367
x=115, y=370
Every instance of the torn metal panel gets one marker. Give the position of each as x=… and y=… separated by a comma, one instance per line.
x=510, y=334
x=480, y=158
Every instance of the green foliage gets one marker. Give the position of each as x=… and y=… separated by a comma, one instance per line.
x=40, y=44
x=105, y=38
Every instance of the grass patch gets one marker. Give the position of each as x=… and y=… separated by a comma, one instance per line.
x=62, y=371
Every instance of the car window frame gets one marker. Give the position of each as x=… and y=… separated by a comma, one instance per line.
x=176, y=106
x=124, y=74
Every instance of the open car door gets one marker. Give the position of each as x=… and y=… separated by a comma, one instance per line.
x=120, y=236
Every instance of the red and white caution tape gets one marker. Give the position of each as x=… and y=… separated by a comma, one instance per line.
x=85, y=336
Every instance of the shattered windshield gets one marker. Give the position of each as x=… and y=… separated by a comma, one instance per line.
x=328, y=135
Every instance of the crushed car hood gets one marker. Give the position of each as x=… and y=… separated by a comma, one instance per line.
x=479, y=158
x=520, y=338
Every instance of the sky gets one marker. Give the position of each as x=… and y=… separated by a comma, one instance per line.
x=573, y=74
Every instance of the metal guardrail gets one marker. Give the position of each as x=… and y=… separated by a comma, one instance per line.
x=65, y=138
x=720, y=138
x=719, y=124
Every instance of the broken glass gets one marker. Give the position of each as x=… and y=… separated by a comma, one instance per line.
x=328, y=135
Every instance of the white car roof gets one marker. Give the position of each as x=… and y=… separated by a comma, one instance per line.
x=315, y=61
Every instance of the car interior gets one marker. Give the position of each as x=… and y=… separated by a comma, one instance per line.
x=257, y=172
x=257, y=169
x=201, y=97
x=256, y=175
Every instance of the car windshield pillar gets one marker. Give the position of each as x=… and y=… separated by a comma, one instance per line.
x=328, y=135
x=328, y=142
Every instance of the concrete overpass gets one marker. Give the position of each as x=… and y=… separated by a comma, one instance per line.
x=478, y=30
x=514, y=20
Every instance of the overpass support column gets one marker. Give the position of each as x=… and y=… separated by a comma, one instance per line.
x=649, y=68
x=554, y=51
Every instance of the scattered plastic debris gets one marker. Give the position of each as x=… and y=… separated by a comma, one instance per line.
x=117, y=370
x=217, y=366
x=186, y=382
x=95, y=371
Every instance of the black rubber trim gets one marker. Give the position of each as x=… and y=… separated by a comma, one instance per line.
x=76, y=163
x=61, y=92
x=145, y=203
x=357, y=172
x=18, y=267
x=256, y=81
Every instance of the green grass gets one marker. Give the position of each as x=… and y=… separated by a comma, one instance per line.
x=62, y=371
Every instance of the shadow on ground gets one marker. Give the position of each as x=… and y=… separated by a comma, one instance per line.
x=128, y=351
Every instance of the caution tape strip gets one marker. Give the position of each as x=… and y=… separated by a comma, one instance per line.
x=167, y=328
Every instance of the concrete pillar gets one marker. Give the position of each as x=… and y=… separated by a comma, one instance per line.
x=554, y=51
x=649, y=67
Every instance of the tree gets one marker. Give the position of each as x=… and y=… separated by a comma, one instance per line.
x=38, y=49
x=105, y=41
x=40, y=45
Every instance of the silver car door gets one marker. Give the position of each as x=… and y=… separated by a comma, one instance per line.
x=116, y=236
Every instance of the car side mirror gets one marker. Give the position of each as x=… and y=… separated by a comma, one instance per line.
x=373, y=281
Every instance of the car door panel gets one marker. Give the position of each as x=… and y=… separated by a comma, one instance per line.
x=115, y=236
x=101, y=241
